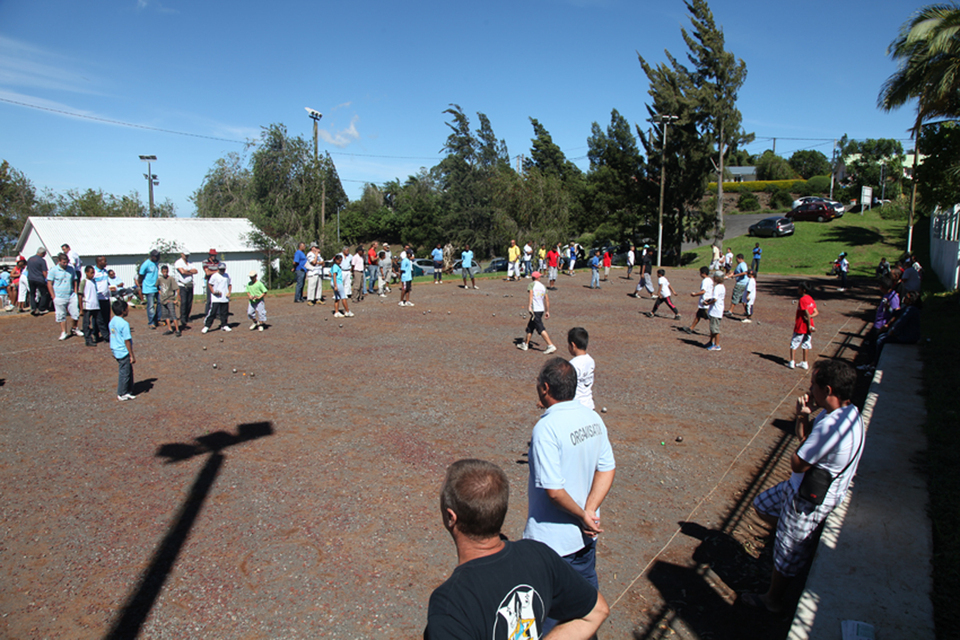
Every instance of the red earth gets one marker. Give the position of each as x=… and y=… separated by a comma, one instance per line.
x=298, y=497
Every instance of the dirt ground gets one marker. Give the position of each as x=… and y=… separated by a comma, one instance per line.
x=301, y=500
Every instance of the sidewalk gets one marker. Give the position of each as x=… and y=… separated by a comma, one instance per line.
x=873, y=563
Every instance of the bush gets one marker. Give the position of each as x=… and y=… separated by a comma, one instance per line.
x=755, y=185
x=899, y=209
x=819, y=184
x=748, y=202
x=781, y=199
x=802, y=188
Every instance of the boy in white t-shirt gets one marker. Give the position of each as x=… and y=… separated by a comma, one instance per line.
x=91, y=307
x=219, y=289
x=663, y=296
x=750, y=295
x=539, y=307
x=577, y=340
x=715, y=310
x=706, y=291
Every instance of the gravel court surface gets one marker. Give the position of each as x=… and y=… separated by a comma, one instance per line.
x=323, y=520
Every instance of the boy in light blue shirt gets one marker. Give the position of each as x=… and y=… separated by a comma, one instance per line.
x=467, y=267
x=406, y=278
x=121, y=344
x=437, y=255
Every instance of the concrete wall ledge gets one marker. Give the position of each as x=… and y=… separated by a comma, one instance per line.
x=873, y=563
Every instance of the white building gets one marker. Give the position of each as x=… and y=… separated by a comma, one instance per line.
x=126, y=242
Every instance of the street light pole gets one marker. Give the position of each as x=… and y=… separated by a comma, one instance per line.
x=151, y=179
x=315, y=116
x=665, y=120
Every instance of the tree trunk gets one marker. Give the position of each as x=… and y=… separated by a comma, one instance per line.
x=718, y=226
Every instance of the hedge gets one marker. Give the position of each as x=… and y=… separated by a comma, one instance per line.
x=753, y=185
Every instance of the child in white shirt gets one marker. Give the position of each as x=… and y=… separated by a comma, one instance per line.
x=750, y=295
x=663, y=296
x=91, y=307
x=577, y=339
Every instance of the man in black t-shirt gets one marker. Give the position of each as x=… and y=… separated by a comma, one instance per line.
x=502, y=589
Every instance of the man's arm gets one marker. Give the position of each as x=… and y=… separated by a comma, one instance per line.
x=582, y=628
x=129, y=343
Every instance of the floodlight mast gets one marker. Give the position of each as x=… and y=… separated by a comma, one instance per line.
x=315, y=116
x=151, y=180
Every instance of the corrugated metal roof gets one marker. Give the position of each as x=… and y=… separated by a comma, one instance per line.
x=124, y=236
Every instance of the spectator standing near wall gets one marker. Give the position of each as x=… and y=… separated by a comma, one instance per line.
x=185, y=271
x=832, y=441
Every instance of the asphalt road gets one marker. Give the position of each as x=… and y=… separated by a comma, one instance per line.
x=736, y=226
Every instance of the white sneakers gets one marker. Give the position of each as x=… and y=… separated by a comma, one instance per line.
x=797, y=365
x=522, y=346
x=405, y=304
x=338, y=315
x=205, y=329
x=225, y=328
x=253, y=326
x=550, y=349
x=348, y=314
x=63, y=335
x=791, y=365
x=126, y=396
x=804, y=365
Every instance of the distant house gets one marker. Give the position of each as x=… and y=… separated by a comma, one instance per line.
x=742, y=174
x=126, y=242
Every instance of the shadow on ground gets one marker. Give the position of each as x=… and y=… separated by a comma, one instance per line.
x=134, y=613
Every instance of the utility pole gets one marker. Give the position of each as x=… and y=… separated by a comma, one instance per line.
x=833, y=171
x=665, y=120
x=315, y=116
x=151, y=180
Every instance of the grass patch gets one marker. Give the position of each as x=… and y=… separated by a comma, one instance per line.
x=814, y=246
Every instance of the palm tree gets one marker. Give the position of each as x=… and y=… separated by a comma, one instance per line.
x=928, y=52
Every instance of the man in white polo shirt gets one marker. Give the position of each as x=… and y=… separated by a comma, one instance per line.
x=184, y=271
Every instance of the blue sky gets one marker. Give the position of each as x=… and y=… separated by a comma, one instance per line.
x=383, y=72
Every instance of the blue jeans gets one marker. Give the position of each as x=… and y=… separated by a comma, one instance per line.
x=595, y=278
x=125, y=379
x=298, y=292
x=583, y=562
x=153, y=309
x=372, y=271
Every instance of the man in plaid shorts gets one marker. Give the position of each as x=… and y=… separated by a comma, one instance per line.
x=833, y=440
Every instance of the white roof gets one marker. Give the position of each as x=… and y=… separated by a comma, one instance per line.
x=126, y=236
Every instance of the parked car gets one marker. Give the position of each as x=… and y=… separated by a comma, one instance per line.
x=819, y=211
x=837, y=206
x=773, y=227
x=497, y=264
x=425, y=264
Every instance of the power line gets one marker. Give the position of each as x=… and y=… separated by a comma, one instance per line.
x=118, y=122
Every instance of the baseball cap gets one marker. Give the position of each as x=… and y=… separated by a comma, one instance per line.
x=535, y=275
x=154, y=254
x=252, y=274
x=222, y=267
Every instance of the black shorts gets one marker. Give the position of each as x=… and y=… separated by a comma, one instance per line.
x=702, y=314
x=405, y=286
x=536, y=323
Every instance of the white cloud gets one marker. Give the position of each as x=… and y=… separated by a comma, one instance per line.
x=143, y=5
x=344, y=137
x=26, y=66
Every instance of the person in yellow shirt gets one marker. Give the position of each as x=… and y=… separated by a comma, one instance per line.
x=513, y=261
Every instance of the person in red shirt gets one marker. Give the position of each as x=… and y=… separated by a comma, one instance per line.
x=553, y=263
x=607, y=261
x=803, y=326
x=373, y=267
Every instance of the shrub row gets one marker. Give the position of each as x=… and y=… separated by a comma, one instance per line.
x=816, y=184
